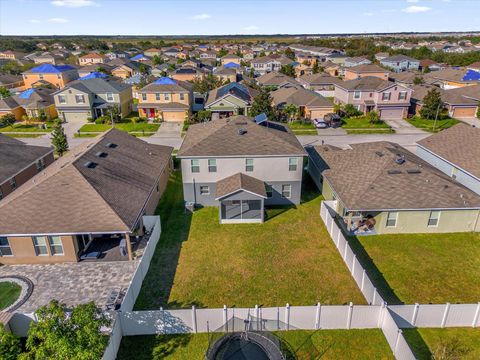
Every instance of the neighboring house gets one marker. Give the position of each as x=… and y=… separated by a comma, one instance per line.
x=208, y=55
x=354, y=61
x=116, y=55
x=302, y=57
x=430, y=65
x=310, y=104
x=32, y=103
x=382, y=188
x=360, y=71
x=11, y=55
x=322, y=83
x=126, y=70
x=188, y=74
x=455, y=152
x=390, y=100
x=90, y=98
x=265, y=64
x=400, y=63
x=226, y=73
x=153, y=52
x=381, y=56
x=276, y=80
x=302, y=69
x=11, y=81
x=140, y=58
x=19, y=162
x=92, y=58
x=405, y=78
x=160, y=70
x=87, y=205
x=47, y=58
x=230, y=58
x=241, y=167
x=474, y=66
x=90, y=68
x=453, y=78
x=166, y=99
x=172, y=52
x=231, y=99
x=56, y=75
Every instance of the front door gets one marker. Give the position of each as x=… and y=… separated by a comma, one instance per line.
x=151, y=113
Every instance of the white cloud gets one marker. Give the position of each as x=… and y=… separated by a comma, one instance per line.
x=58, y=20
x=368, y=14
x=416, y=9
x=74, y=3
x=251, y=27
x=201, y=17
x=34, y=21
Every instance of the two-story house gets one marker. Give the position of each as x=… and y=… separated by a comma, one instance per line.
x=354, y=61
x=230, y=58
x=92, y=58
x=231, y=99
x=241, y=167
x=322, y=83
x=400, y=63
x=359, y=71
x=56, y=75
x=166, y=99
x=390, y=100
x=90, y=98
x=265, y=64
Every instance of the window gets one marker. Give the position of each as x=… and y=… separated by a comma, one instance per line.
x=40, y=165
x=56, y=247
x=80, y=99
x=195, y=166
x=433, y=218
x=392, y=219
x=40, y=76
x=204, y=190
x=40, y=244
x=167, y=97
x=357, y=95
x=212, y=165
x=5, y=249
x=249, y=165
x=182, y=96
x=157, y=96
x=292, y=164
x=269, y=190
x=402, y=95
x=110, y=97
x=286, y=191
x=386, y=96
x=13, y=183
x=144, y=97
x=62, y=99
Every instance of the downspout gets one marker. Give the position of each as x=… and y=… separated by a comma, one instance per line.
x=194, y=191
x=476, y=220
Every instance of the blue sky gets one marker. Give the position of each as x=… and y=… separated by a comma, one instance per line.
x=149, y=17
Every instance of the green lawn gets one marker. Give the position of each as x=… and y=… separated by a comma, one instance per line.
x=290, y=258
x=20, y=127
x=370, y=131
x=302, y=128
x=23, y=135
x=427, y=125
x=425, y=342
x=423, y=268
x=129, y=127
x=324, y=344
x=9, y=293
x=362, y=123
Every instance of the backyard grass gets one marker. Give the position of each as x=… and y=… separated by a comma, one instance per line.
x=23, y=135
x=423, y=268
x=425, y=342
x=361, y=122
x=21, y=127
x=127, y=126
x=324, y=344
x=289, y=258
x=9, y=293
x=427, y=125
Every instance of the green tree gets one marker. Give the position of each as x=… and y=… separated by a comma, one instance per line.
x=291, y=111
x=157, y=60
x=143, y=69
x=351, y=111
x=10, y=348
x=222, y=53
x=417, y=80
x=7, y=119
x=201, y=116
x=58, y=335
x=432, y=103
x=4, y=92
x=207, y=84
x=373, y=117
x=316, y=68
x=262, y=103
x=290, y=53
x=59, y=139
x=426, y=70
x=288, y=70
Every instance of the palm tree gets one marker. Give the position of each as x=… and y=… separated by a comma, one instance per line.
x=291, y=110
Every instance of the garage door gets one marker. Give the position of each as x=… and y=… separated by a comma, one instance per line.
x=75, y=117
x=319, y=113
x=467, y=112
x=391, y=114
x=174, y=116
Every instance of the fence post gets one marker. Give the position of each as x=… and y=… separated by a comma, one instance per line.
x=415, y=314
x=194, y=318
x=317, y=317
x=445, y=315
x=475, y=317
x=225, y=318
x=345, y=252
x=399, y=333
x=353, y=264
x=381, y=314
x=338, y=238
x=278, y=318
x=256, y=317
x=287, y=316
x=363, y=279
x=331, y=226
x=349, y=317
x=374, y=297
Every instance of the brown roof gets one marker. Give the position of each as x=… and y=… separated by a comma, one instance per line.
x=319, y=79
x=367, y=177
x=475, y=65
x=180, y=86
x=459, y=145
x=276, y=79
x=93, y=56
x=239, y=182
x=367, y=83
x=95, y=188
x=366, y=68
x=467, y=95
x=446, y=75
x=300, y=97
x=222, y=138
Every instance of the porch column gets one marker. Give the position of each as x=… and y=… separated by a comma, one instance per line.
x=129, y=246
x=349, y=219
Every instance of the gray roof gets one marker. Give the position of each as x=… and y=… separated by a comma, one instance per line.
x=239, y=182
x=38, y=99
x=180, y=86
x=367, y=83
x=367, y=177
x=300, y=97
x=223, y=137
x=276, y=79
x=97, y=86
x=398, y=58
x=367, y=68
x=319, y=79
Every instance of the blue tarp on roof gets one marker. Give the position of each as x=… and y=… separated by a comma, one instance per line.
x=94, y=75
x=51, y=69
x=165, y=81
x=26, y=94
x=138, y=57
x=471, y=75
x=231, y=65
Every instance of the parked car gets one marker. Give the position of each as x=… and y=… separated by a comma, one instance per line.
x=333, y=120
x=320, y=124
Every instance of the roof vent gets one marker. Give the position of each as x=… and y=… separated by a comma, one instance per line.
x=242, y=131
x=394, y=172
x=111, y=145
x=399, y=159
x=379, y=153
x=101, y=154
x=90, y=164
x=414, y=171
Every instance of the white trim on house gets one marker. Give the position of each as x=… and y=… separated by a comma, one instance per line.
x=241, y=189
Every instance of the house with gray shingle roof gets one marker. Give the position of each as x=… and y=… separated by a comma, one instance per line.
x=400, y=63
x=241, y=167
x=310, y=104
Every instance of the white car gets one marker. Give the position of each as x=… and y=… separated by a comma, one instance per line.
x=320, y=124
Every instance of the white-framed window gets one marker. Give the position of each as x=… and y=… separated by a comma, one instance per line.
x=80, y=99
x=182, y=96
x=110, y=97
x=292, y=164
x=392, y=217
x=286, y=191
x=56, y=246
x=204, y=190
x=269, y=190
x=402, y=95
x=212, y=165
x=357, y=95
x=433, y=218
x=167, y=96
x=40, y=245
x=144, y=97
x=62, y=99
x=5, y=249
x=249, y=165
x=195, y=165
x=386, y=96
x=157, y=96
x=454, y=173
x=40, y=165
x=13, y=183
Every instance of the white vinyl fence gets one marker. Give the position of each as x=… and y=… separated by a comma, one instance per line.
x=395, y=339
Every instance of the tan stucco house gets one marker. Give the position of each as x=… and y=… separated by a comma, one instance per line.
x=56, y=75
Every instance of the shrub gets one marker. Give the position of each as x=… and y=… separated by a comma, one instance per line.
x=373, y=117
x=351, y=111
x=103, y=120
x=7, y=119
x=90, y=119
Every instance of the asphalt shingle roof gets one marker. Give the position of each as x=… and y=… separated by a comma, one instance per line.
x=237, y=182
